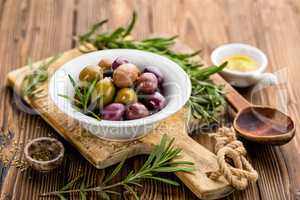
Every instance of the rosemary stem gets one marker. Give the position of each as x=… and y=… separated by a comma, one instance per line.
x=96, y=189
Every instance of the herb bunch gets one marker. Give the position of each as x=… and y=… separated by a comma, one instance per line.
x=161, y=159
x=206, y=100
x=36, y=77
x=82, y=98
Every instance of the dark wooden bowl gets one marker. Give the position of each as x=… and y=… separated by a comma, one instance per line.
x=50, y=148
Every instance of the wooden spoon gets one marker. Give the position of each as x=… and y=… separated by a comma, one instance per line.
x=261, y=124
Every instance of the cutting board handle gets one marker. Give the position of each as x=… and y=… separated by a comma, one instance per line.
x=205, y=161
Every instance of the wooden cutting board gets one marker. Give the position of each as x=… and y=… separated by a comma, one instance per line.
x=102, y=153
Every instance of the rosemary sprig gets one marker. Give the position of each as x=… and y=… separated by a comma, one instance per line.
x=37, y=76
x=82, y=97
x=161, y=159
x=210, y=96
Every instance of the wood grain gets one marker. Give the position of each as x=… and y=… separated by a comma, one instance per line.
x=37, y=29
x=30, y=33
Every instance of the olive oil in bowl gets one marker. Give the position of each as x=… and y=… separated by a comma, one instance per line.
x=246, y=64
x=241, y=63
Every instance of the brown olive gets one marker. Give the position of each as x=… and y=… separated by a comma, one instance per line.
x=105, y=64
x=125, y=75
x=90, y=73
x=104, y=92
x=126, y=96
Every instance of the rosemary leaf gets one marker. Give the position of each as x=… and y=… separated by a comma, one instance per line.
x=112, y=192
x=71, y=183
x=61, y=197
x=130, y=189
x=82, y=193
x=164, y=180
x=115, y=172
x=131, y=25
x=93, y=115
x=104, y=196
x=94, y=28
x=36, y=77
x=173, y=169
x=88, y=94
x=82, y=98
x=71, y=99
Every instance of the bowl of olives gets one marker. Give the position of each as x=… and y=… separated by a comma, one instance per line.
x=120, y=94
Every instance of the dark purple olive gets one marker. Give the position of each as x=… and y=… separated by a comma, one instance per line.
x=117, y=62
x=155, y=101
x=136, y=111
x=147, y=83
x=113, y=112
x=159, y=75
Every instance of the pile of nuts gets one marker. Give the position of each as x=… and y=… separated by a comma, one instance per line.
x=123, y=91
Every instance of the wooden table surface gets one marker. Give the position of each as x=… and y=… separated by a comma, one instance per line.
x=41, y=28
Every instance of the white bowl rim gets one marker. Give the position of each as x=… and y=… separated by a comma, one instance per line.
x=126, y=123
x=261, y=68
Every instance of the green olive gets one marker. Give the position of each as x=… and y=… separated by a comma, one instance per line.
x=91, y=73
x=104, y=92
x=126, y=96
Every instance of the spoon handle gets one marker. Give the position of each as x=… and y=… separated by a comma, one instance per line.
x=232, y=96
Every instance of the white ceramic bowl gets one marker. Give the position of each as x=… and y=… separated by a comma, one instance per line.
x=177, y=87
x=235, y=78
